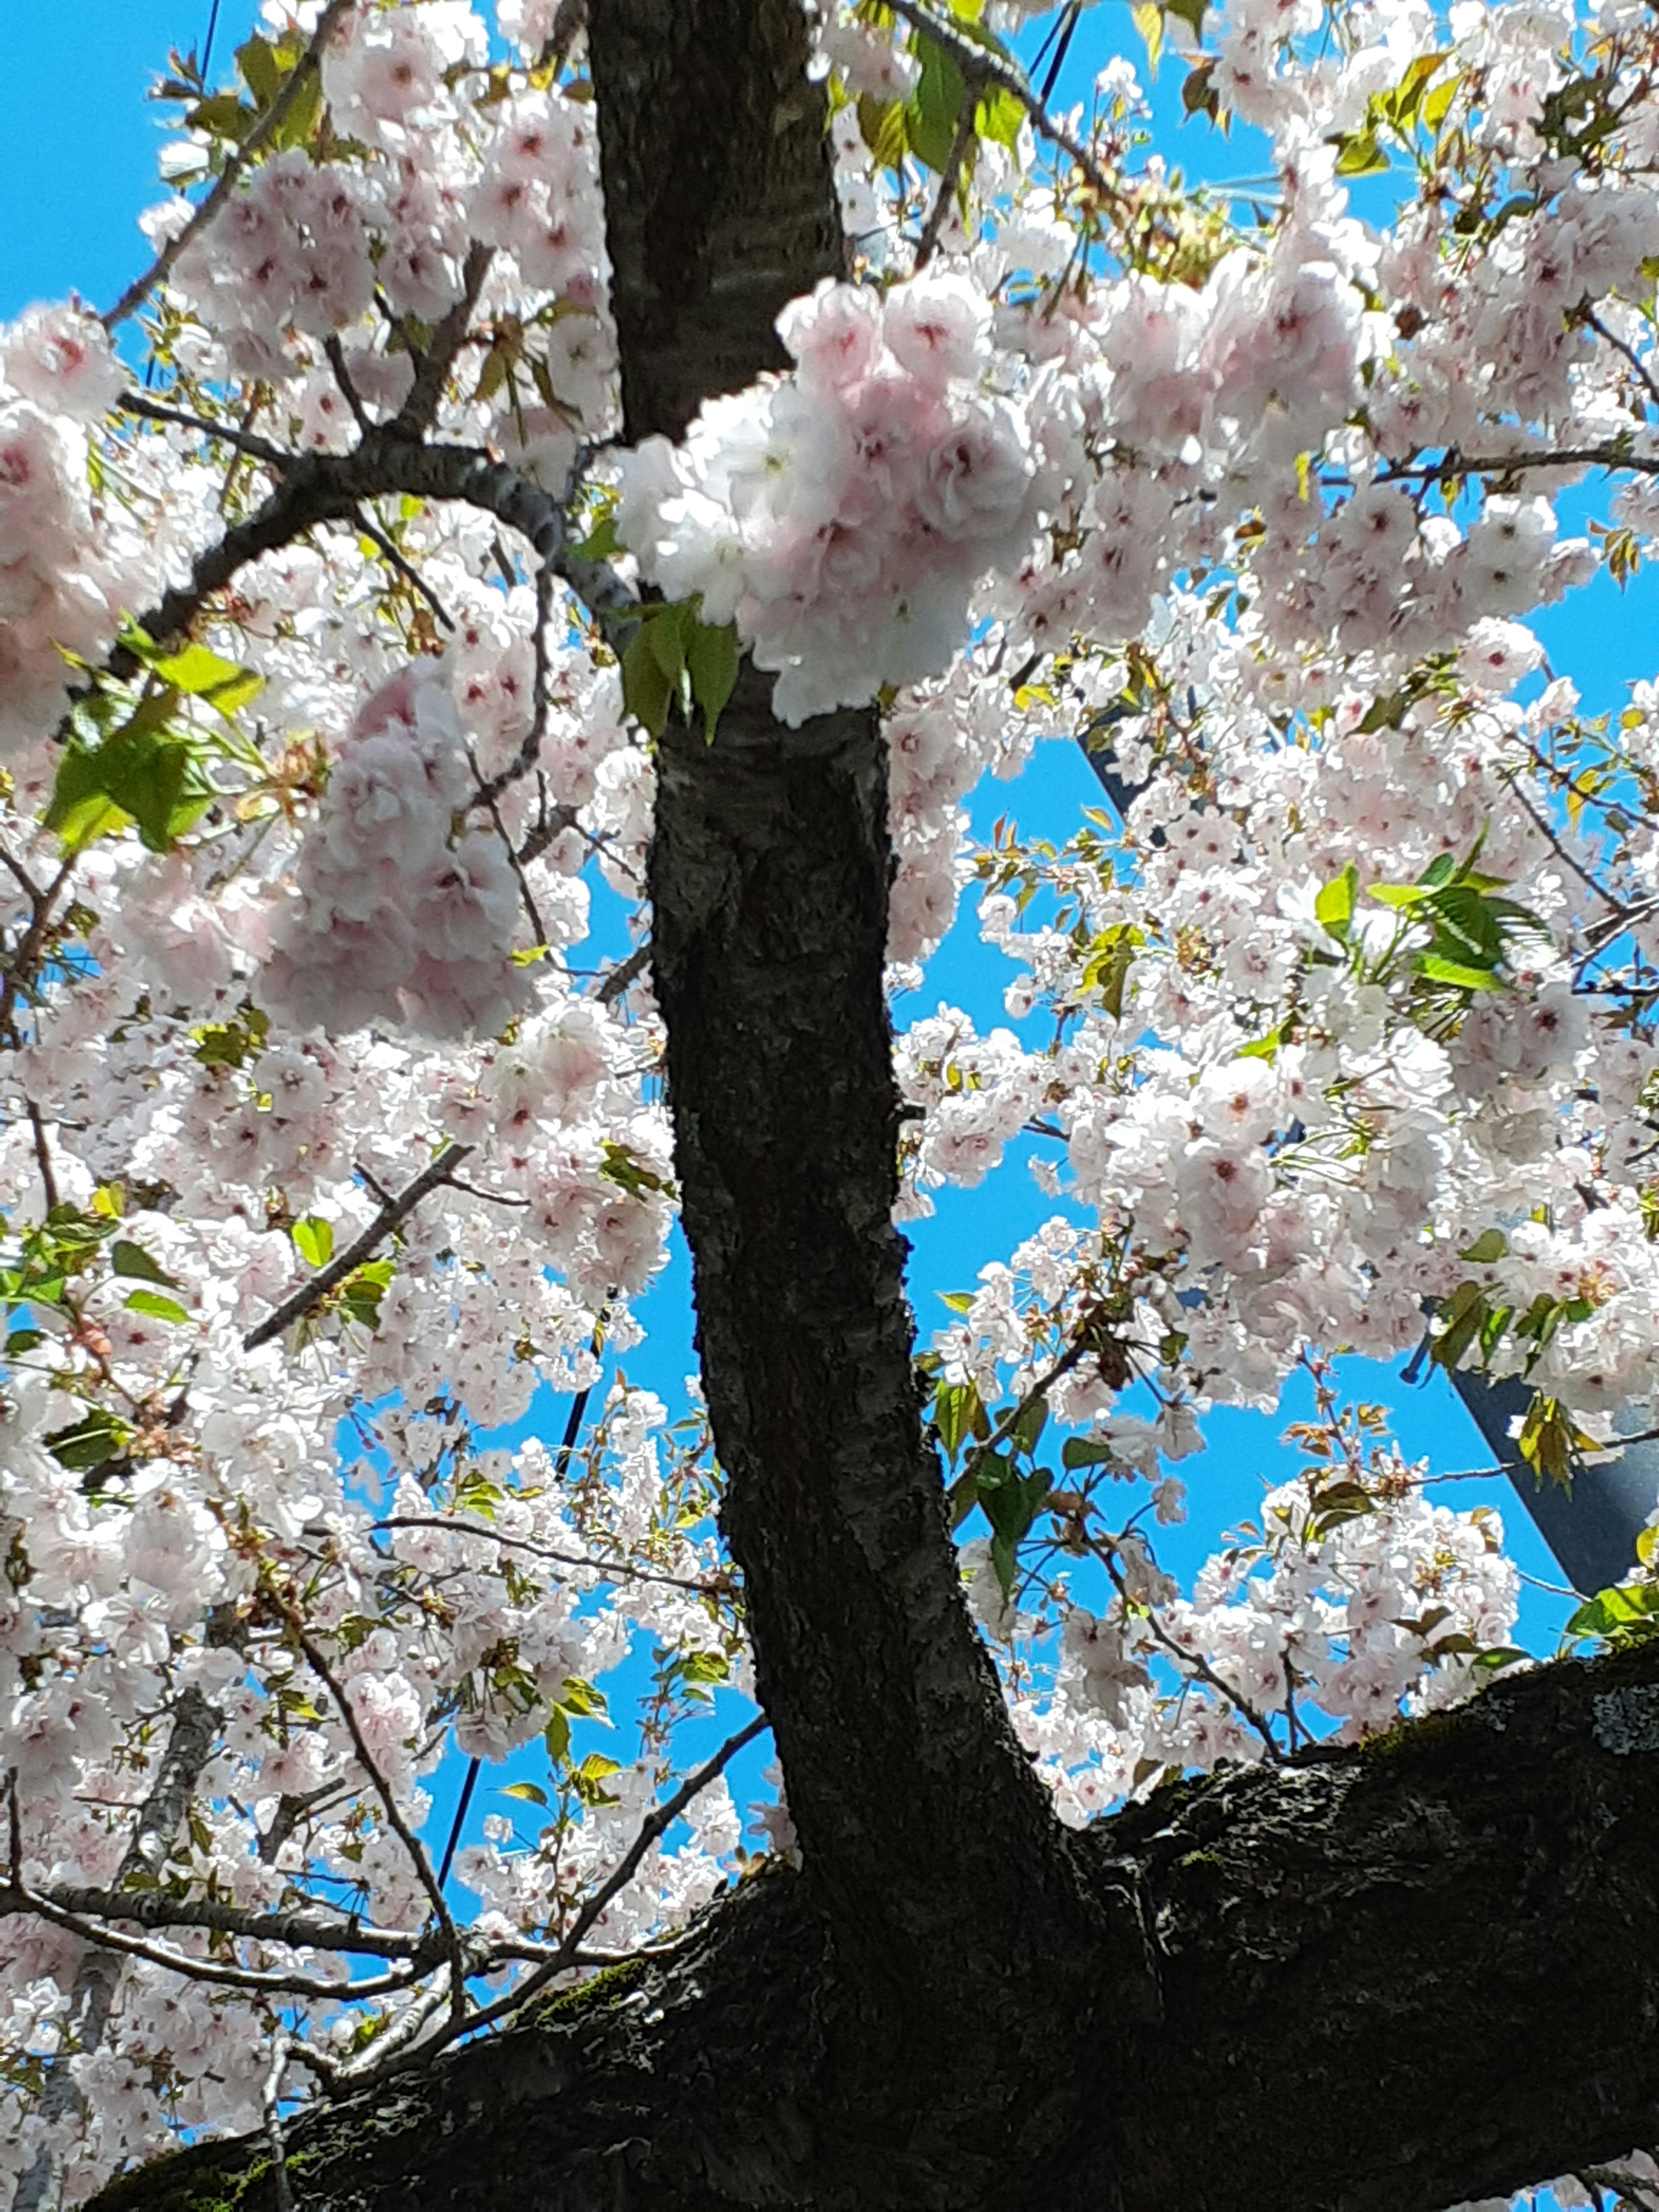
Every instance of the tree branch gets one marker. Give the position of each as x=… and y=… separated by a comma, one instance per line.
x=311, y=1293
x=258, y=138
x=1329, y=1922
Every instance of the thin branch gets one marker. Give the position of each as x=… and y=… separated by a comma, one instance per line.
x=19, y=1898
x=383, y=1790
x=268, y=125
x=297, y=1928
x=432, y=366
x=1194, y=1662
x=979, y=67
x=486, y=797
x=311, y=1293
x=651, y=1828
x=525, y=759
x=567, y=23
x=617, y=982
x=29, y=945
x=1591, y=320
x=405, y=568
x=272, y=2103
x=245, y=441
x=1613, y=456
x=42, y=1154
x=928, y=243
x=335, y=352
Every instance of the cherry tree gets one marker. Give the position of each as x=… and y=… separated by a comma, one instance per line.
x=497, y=627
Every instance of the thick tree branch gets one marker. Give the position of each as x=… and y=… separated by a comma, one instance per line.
x=1350, y=1969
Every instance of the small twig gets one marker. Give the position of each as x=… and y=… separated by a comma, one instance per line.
x=367, y=1176
x=432, y=367
x=552, y=822
x=525, y=759
x=1194, y=1661
x=928, y=243
x=405, y=568
x=979, y=67
x=29, y=945
x=271, y=2101
x=245, y=441
x=486, y=797
x=268, y=125
x=650, y=1829
x=1560, y=850
x=383, y=1790
x=491, y=1197
x=42, y=1154
x=571, y=18
x=330, y=1278
x=617, y=982
x=26, y=883
x=1591, y=320
x=337, y=360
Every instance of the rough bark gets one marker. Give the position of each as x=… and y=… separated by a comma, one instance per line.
x=719, y=205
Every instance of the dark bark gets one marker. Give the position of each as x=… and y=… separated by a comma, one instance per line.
x=719, y=206
x=1380, y=1980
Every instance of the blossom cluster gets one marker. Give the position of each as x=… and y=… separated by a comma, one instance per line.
x=392, y=916
x=61, y=587
x=843, y=515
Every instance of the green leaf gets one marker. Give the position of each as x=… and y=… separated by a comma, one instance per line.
x=958, y=1415
x=647, y=692
x=158, y=1308
x=1550, y=1439
x=999, y=116
x=314, y=1239
x=1111, y=956
x=589, y=1778
x=89, y=1443
x=1085, y=1451
x=582, y=1699
x=1626, y=1616
x=528, y=1793
x=80, y=811
x=154, y=776
x=1491, y=1244
x=1462, y=1314
x=1029, y=1424
x=931, y=112
x=558, y=1735
x=1333, y=908
x=1359, y=155
x=260, y=70
x=1434, y=968
x=133, y=1261
x=711, y=659
x=1148, y=20
x=200, y=674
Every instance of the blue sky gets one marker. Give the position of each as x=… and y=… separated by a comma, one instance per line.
x=79, y=163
